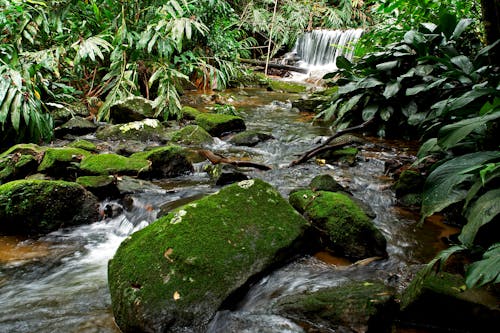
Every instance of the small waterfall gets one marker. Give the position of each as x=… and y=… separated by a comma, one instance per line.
x=319, y=49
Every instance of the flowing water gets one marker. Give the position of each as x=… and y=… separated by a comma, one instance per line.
x=57, y=283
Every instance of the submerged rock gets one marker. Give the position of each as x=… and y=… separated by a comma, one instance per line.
x=250, y=138
x=359, y=306
x=348, y=229
x=173, y=275
x=41, y=206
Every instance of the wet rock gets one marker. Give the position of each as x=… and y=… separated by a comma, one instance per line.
x=224, y=174
x=173, y=275
x=356, y=306
x=325, y=183
x=250, y=138
x=286, y=86
x=129, y=185
x=344, y=155
x=220, y=124
x=134, y=108
x=167, y=161
x=63, y=113
x=40, y=206
x=348, y=230
x=75, y=126
x=440, y=300
x=103, y=186
x=144, y=130
x=106, y=164
x=409, y=188
x=16, y=166
x=189, y=113
x=62, y=162
x=192, y=135
x=25, y=149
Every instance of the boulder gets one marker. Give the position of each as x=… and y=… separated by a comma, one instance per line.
x=325, y=182
x=173, y=275
x=103, y=186
x=409, y=187
x=359, y=306
x=286, y=86
x=106, y=164
x=75, y=126
x=189, y=113
x=41, y=206
x=250, y=138
x=344, y=155
x=16, y=166
x=133, y=108
x=441, y=300
x=83, y=144
x=144, y=130
x=347, y=228
x=192, y=135
x=62, y=162
x=167, y=161
x=220, y=124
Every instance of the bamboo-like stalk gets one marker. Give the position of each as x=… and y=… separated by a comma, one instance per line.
x=270, y=36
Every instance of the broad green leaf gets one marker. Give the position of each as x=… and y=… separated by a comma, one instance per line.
x=4, y=88
x=410, y=108
x=347, y=88
x=343, y=63
x=442, y=185
x=391, y=89
x=416, y=89
x=5, y=106
x=427, y=148
x=387, y=66
x=368, y=82
x=430, y=26
x=450, y=135
x=369, y=111
x=486, y=270
x=386, y=113
x=484, y=209
x=461, y=26
x=15, y=111
x=347, y=106
x=486, y=50
x=447, y=23
x=463, y=63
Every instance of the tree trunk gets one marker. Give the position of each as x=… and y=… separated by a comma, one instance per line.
x=491, y=19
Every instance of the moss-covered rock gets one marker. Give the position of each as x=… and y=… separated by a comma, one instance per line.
x=144, y=130
x=409, y=188
x=106, y=164
x=40, y=206
x=167, y=161
x=250, y=138
x=174, y=274
x=24, y=149
x=286, y=86
x=133, y=108
x=103, y=186
x=189, y=113
x=441, y=300
x=325, y=183
x=62, y=162
x=360, y=306
x=16, y=166
x=83, y=144
x=349, y=230
x=220, y=124
x=192, y=135
x=345, y=155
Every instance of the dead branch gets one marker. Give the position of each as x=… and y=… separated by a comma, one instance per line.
x=325, y=145
x=219, y=159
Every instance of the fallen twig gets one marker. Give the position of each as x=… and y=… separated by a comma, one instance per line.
x=218, y=159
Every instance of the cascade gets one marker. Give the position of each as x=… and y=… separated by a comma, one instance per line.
x=319, y=49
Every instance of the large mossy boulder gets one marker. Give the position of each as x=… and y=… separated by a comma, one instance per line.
x=144, y=130
x=75, y=126
x=192, y=135
x=286, y=86
x=349, y=230
x=108, y=164
x=220, y=124
x=40, y=206
x=16, y=166
x=441, y=300
x=62, y=162
x=133, y=108
x=173, y=275
x=167, y=161
x=359, y=306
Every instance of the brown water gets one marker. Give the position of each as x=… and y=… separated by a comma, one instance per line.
x=57, y=283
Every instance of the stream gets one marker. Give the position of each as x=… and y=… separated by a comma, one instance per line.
x=57, y=282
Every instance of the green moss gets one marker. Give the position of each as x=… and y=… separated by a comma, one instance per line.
x=219, y=124
x=410, y=181
x=83, y=144
x=349, y=229
x=104, y=164
x=144, y=130
x=54, y=157
x=189, y=113
x=289, y=87
x=33, y=206
x=325, y=183
x=203, y=251
x=24, y=148
x=95, y=181
x=353, y=304
x=192, y=135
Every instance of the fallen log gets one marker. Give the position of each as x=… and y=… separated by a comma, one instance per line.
x=274, y=65
x=218, y=159
x=326, y=145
